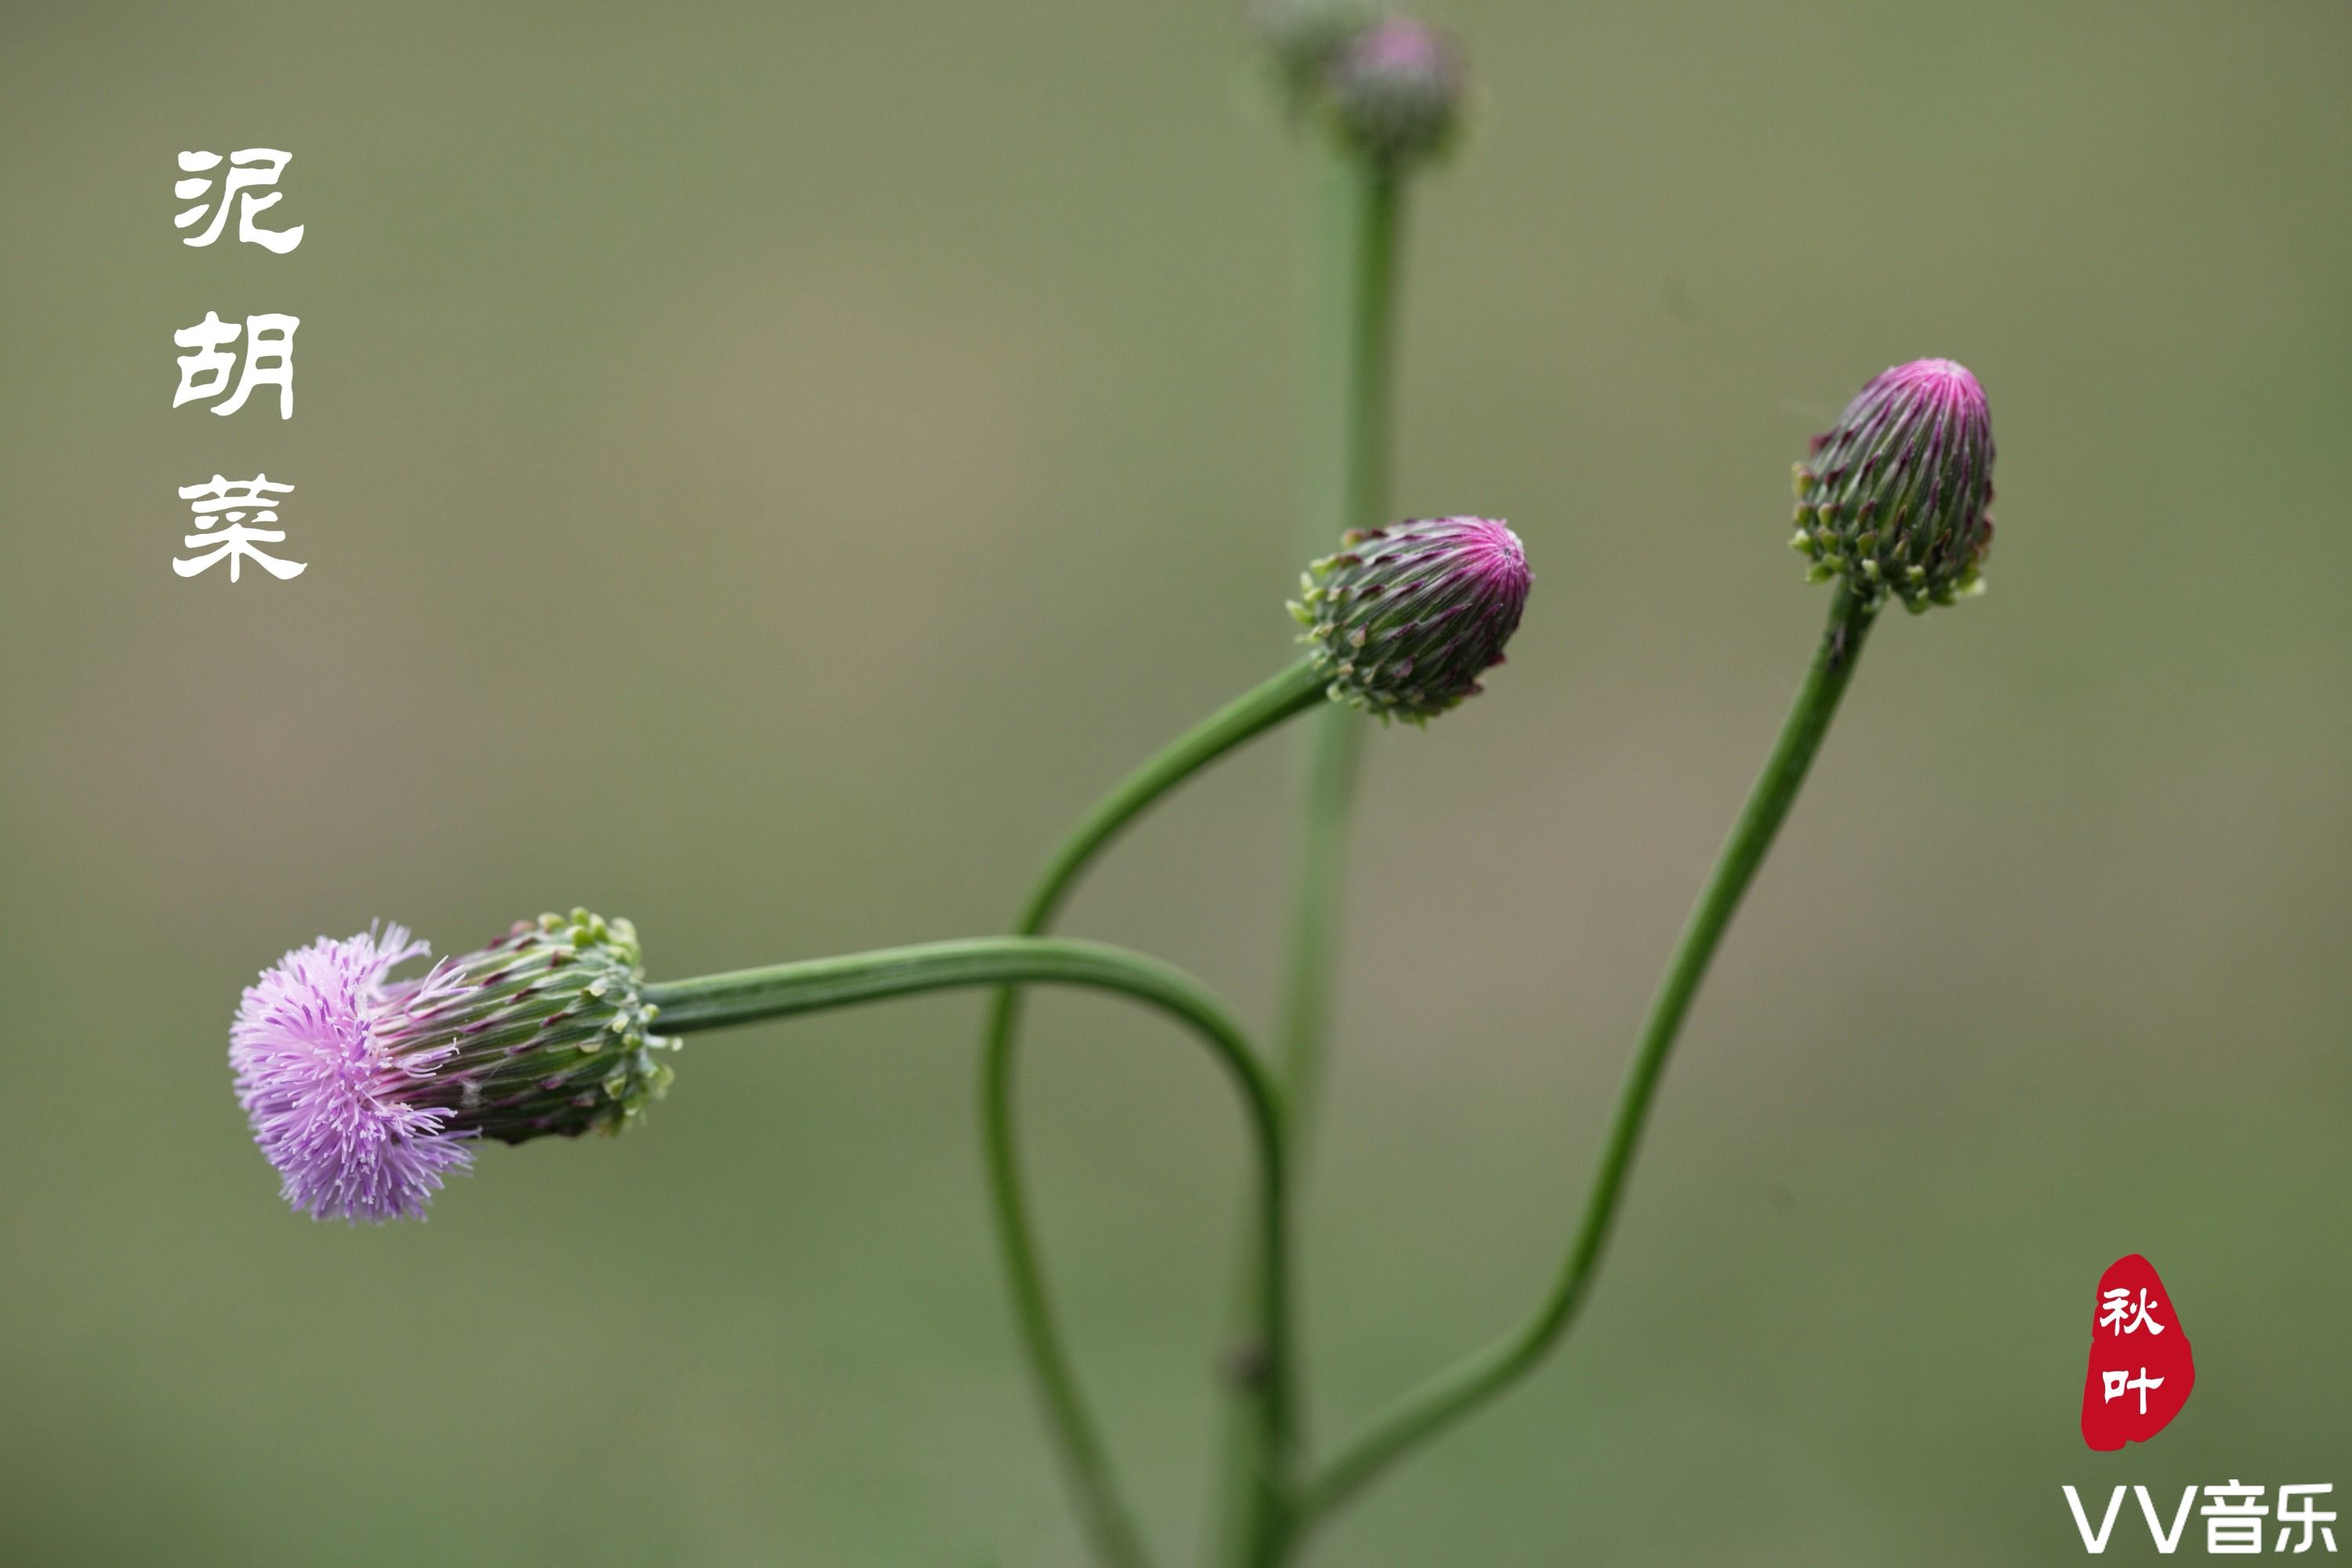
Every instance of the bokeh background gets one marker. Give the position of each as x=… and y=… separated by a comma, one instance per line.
x=765, y=467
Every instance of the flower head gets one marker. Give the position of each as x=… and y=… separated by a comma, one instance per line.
x=1893, y=497
x=1303, y=34
x=1403, y=620
x=1395, y=90
x=366, y=1092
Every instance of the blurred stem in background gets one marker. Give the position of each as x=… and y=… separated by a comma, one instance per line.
x=1109, y=1525
x=1356, y=206
x=1468, y=1384
x=1358, y=211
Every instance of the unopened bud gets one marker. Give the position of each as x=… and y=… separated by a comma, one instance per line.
x=1893, y=497
x=1395, y=90
x=1304, y=36
x=1403, y=620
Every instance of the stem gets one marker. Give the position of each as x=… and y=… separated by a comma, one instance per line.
x=1351, y=297
x=1353, y=367
x=1471, y=1382
x=1107, y=1522
x=782, y=990
x=1245, y=718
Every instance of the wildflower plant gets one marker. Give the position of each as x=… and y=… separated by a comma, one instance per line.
x=370, y=1074
x=366, y=1092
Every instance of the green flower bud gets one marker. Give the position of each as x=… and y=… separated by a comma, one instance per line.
x=1893, y=497
x=1396, y=91
x=1303, y=36
x=1403, y=620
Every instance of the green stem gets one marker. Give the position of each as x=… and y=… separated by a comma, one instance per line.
x=1248, y=716
x=1109, y=1525
x=782, y=990
x=1352, y=371
x=1352, y=311
x=1471, y=1382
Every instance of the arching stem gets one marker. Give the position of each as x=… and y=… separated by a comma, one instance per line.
x=1471, y=1382
x=784, y=990
x=1086, y=1459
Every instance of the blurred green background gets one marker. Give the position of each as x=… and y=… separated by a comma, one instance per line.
x=765, y=467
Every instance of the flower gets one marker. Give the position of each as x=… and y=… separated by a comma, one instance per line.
x=1395, y=90
x=1894, y=496
x=366, y=1092
x=1403, y=620
x=1303, y=34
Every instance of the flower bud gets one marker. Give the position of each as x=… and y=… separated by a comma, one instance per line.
x=1304, y=35
x=1893, y=497
x=1403, y=620
x=1395, y=90
x=365, y=1092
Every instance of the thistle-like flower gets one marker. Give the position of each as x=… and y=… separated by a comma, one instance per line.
x=1304, y=35
x=1893, y=497
x=1395, y=90
x=366, y=1092
x=1403, y=620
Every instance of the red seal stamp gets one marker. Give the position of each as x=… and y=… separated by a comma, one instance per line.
x=2141, y=1369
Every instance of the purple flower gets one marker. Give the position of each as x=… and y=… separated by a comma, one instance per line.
x=366, y=1092
x=1895, y=496
x=328, y=1079
x=1403, y=620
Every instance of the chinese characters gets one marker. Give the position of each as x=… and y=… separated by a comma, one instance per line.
x=269, y=360
x=246, y=181
x=213, y=503
x=2120, y=1313
x=2141, y=1370
x=254, y=167
x=2234, y=1516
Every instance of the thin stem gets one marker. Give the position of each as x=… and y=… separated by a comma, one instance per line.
x=1471, y=1382
x=782, y=990
x=1248, y=716
x=1352, y=374
x=1358, y=204
x=1108, y=1524
x=1350, y=307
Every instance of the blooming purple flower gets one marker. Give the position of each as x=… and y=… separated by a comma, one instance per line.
x=366, y=1092
x=328, y=1078
x=1404, y=619
x=1895, y=496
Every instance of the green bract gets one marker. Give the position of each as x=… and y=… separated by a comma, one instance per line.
x=553, y=1035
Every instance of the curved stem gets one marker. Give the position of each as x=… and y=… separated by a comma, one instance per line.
x=751, y=995
x=1245, y=718
x=1461, y=1389
x=1086, y=1459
